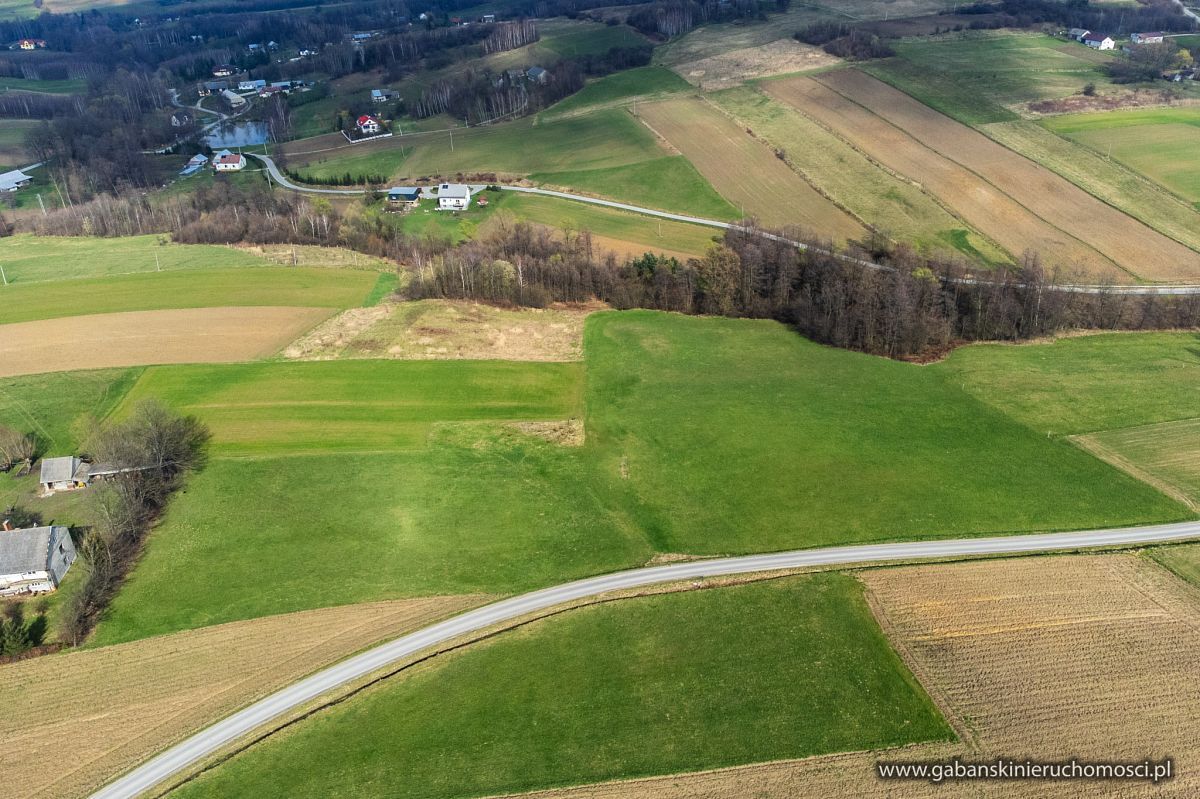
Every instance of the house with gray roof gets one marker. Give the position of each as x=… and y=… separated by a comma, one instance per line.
x=13, y=180
x=34, y=560
x=64, y=474
x=453, y=197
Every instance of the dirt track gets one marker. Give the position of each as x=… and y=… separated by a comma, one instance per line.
x=1133, y=246
x=193, y=335
x=1088, y=656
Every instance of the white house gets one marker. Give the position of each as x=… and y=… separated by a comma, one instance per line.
x=1154, y=37
x=251, y=85
x=1098, y=41
x=234, y=99
x=1078, y=33
x=453, y=197
x=225, y=161
x=64, y=474
x=34, y=560
x=13, y=180
x=382, y=95
x=368, y=125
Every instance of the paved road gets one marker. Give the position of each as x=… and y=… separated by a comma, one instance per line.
x=204, y=743
x=715, y=223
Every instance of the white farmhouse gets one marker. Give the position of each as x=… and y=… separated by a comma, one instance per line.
x=453, y=197
x=1098, y=41
x=34, y=560
x=225, y=161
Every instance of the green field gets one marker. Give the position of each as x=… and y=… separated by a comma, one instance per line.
x=975, y=79
x=888, y=203
x=1086, y=384
x=64, y=86
x=28, y=258
x=1183, y=560
x=606, y=151
x=1161, y=143
x=54, y=407
x=571, y=39
x=1168, y=454
x=703, y=436
x=620, y=88
x=653, y=234
x=14, y=147
x=271, y=409
x=1109, y=180
x=196, y=288
x=655, y=685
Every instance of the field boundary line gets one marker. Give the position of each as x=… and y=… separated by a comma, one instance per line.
x=249, y=721
x=1089, y=444
x=980, y=177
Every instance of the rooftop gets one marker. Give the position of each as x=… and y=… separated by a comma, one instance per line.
x=27, y=550
x=61, y=469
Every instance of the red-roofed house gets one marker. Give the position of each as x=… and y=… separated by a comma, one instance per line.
x=31, y=44
x=368, y=125
x=226, y=161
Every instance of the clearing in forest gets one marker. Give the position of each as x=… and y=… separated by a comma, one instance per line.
x=135, y=338
x=746, y=171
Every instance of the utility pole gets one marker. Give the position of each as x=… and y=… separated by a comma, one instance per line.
x=451, y=139
x=3, y=276
x=157, y=263
x=42, y=204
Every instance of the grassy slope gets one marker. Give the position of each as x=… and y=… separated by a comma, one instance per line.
x=620, y=88
x=36, y=258
x=973, y=79
x=886, y=202
x=818, y=446
x=359, y=406
x=1081, y=385
x=322, y=288
x=1160, y=143
x=789, y=668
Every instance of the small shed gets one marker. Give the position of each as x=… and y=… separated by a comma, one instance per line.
x=65, y=473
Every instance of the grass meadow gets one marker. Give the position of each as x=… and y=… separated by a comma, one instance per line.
x=652, y=685
x=1160, y=143
x=620, y=88
x=196, y=288
x=975, y=79
x=703, y=437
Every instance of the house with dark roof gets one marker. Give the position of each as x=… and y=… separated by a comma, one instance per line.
x=403, y=198
x=537, y=74
x=34, y=560
x=1099, y=41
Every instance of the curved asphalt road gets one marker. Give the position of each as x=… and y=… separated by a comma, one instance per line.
x=204, y=743
x=282, y=180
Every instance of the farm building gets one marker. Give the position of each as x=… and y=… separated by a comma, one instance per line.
x=13, y=180
x=453, y=197
x=234, y=99
x=64, y=474
x=210, y=86
x=180, y=119
x=368, y=125
x=224, y=71
x=1078, y=33
x=1098, y=41
x=34, y=560
x=194, y=164
x=382, y=95
x=402, y=198
x=225, y=161
x=1154, y=37
x=251, y=85
x=537, y=74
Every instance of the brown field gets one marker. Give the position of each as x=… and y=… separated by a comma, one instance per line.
x=985, y=208
x=1165, y=455
x=1053, y=657
x=1135, y=247
x=447, y=330
x=73, y=721
x=737, y=66
x=136, y=338
x=744, y=170
x=632, y=249
x=313, y=255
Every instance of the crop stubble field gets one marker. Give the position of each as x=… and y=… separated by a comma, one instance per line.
x=1016, y=202
x=1087, y=656
x=744, y=170
x=158, y=690
x=190, y=335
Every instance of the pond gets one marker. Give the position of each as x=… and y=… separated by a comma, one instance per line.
x=237, y=134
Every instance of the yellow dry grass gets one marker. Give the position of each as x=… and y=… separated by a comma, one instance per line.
x=1132, y=245
x=448, y=330
x=730, y=69
x=987, y=209
x=744, y=170
x=1088, y=656
x=73, y=721
x=136, y=338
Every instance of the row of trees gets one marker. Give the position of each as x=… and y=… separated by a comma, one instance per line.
x=16, y=448
x=157, y=447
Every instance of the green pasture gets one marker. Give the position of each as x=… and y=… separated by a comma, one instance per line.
x=654, y=685
x=356, y=406
x=1161, y=143
x=194, y=288
x=975, y=78
x=27, y=258
x=63, y=86
x=620, y=88
x=569, y=39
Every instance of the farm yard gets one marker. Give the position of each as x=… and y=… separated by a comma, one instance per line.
x=745, y=171
x=163, y=688
x=148, y=337
x=620, y=693
x=1159, y=143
